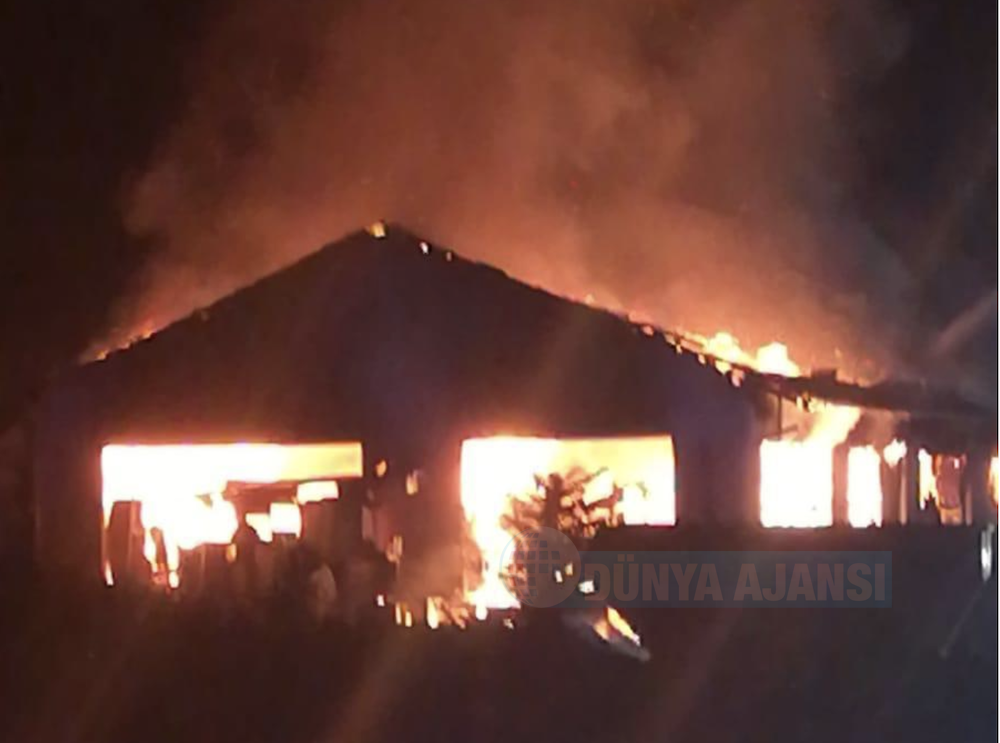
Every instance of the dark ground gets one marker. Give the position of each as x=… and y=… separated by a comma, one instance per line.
x=103, y=669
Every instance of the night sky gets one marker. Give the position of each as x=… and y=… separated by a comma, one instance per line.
x=96, y=96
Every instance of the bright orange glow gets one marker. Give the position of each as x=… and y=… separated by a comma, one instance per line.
x=312, y=492
x=432, y=615
x=995, y=477
x=864, y=487
x=261, y=523
x=796, y=474
x=286, y=518
x=927, y=479
x=894, y=452
x=796, y=483
x=181, y=488
x=612, y=622
x=612, y=628
x=770, y=359
x=496, y=470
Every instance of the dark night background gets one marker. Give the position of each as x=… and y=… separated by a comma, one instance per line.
x=819, y=171
x=91, y=91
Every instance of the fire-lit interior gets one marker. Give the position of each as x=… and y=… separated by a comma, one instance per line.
x=796, y=471
x=864, y=486
x=995, y=478
x=192, y=495
x=494, y=471
x=796, y=483
x=939, y=485
x=184, y=489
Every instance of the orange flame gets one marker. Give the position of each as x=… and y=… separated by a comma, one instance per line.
x=496, y=470
x=180, y=488
x=894, y=452
x=927, y=479
x=286, y=518
x=770, y=359
x=796, y=483
x=319, y=490
x=995, y=477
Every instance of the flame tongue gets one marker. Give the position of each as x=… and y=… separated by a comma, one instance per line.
x=770, y=359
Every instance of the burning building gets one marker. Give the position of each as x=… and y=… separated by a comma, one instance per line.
x=385, y=391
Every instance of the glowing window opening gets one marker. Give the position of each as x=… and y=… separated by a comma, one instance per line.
x=180, y=487
x=493, y=470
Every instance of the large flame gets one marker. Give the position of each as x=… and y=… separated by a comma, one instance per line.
x=180, y=487
x=497, y=470
x=770, y=359
x=796, y=470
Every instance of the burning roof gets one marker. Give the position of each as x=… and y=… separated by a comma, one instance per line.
x=381, y=327
x=381, y=312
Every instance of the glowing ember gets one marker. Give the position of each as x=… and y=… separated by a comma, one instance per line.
x=496, y=471
x=796, y=487
x=611, y=628
x=864, y=487
x=432, y=615
x=796, y=475
x=615, y=622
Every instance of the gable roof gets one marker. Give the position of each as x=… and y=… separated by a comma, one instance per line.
x=375, y=336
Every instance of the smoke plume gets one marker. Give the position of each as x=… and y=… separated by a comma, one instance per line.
x=682, y=160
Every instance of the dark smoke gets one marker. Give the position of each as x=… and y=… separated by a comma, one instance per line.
x=685, y=160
